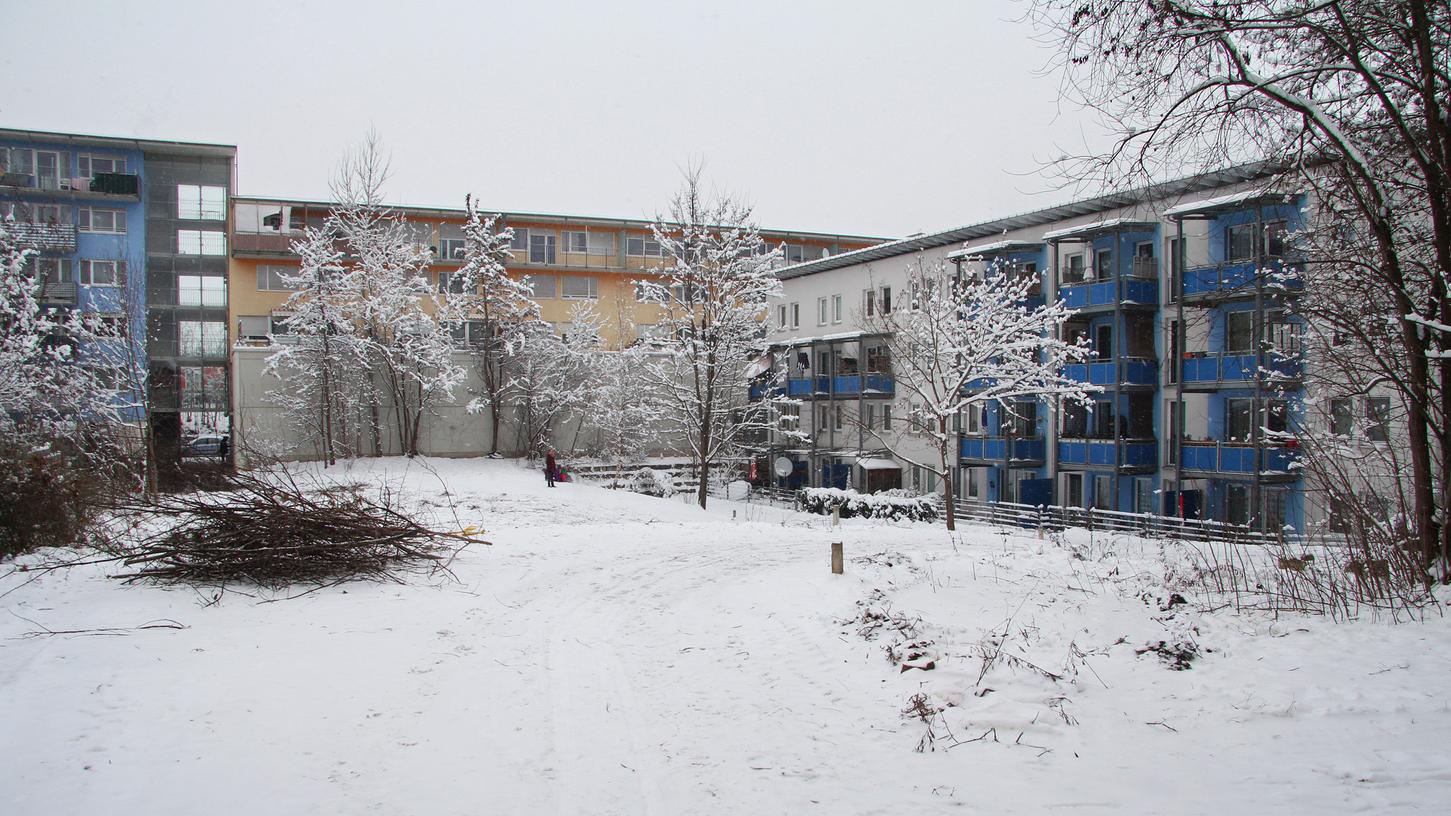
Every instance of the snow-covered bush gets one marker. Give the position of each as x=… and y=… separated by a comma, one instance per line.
x=875, y=505
x=652, y=482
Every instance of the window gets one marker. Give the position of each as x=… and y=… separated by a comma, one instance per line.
x=201, y=203
x=202, y=338
x=970, y=476
x=643, y=248
x=541, y=248
x=201, y=242
x=1277, y=416
x=203, y=388
x=1378, y=418
x=1238, y=420
x=542, y=286
x=451, y=249
x=39, y=213
x=270, y=278
x=592, y=243
x=1103, y=264
x=821, y=418
x=451, y=283
x=580, y=287
x=112, y=325
x=201, y=290
x=1103, y=492
x=93, y=220
x=280, y=324
x=1236, y=504
x=974, y=419
x=840, y=413
x=1239, y=243
x=1340, y=416
x=1239, y=332
x=1275, y=233
x=91, y=165
x=780, y=317
x=1073, y=271
x=793, y=253
x=1274, y=517
x=51, y=270
x=821, y=311
x=885, y=301
x=50, y=166
x=520, y=240
x=103, y=273
x=19, y=160
x=1176, y=268
x=1025, y=420
x=796, y=315
x=887, y=417
x=869, y=303
x=836, y=310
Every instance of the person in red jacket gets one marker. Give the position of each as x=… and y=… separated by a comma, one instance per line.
x=549, y=468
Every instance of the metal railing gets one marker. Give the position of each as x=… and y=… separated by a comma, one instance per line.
x=1148, y=525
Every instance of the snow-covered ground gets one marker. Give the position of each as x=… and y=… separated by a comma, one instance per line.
x=614, y=653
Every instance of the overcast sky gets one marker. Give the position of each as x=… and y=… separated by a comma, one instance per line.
x=875, y=118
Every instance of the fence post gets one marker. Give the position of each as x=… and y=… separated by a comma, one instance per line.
x=837, y=565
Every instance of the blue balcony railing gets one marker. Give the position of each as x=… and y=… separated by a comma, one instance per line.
x=842, y=385
x=763, y=390
x=1125, y=371
x=1107, y=453
x=1227, y=277
x=994, y=448
x=1109, y=292
x=1234, y=367
x=1236, y=457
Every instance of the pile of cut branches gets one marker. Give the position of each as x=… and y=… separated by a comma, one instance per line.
x=272, y=533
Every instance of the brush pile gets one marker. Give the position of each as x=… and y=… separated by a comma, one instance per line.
x=272, y=533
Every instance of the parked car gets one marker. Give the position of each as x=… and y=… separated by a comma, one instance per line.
x=205, y=445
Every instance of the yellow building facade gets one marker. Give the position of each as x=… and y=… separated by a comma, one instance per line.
x=566, y=260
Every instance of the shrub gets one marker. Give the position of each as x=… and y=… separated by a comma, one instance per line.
x=652, y=482
x=821, y=500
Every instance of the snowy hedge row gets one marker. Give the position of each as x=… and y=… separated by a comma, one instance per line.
x=859, y=505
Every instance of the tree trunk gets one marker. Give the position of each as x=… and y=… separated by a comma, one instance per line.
x=948, y=488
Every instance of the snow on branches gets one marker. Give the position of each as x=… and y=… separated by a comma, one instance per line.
x=713, y=289
x=966, y=341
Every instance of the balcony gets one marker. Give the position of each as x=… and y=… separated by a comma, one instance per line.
x=45, y=237
x=996, y=449
x=266, y=243
x=1123, y=371
x=101, y=185
x=842, y=385
x=59, y=293
x=1126, y=454
x=1235, y=369
x=1238, y=458
x=761, y=391
x=1239, y=277
x=1106, y=294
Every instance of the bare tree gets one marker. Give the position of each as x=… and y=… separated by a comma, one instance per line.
x=966, y=341
x=714, y=289
x=1349, y=100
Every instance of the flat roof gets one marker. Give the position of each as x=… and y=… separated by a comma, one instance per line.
x=1106, y=225
x=1049, y=215
x=91, y=140
x=458, y=212
x=1205, y=206
x=995, y=247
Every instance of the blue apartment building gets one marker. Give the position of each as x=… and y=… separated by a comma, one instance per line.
x=1182, y=293
x=134, y=230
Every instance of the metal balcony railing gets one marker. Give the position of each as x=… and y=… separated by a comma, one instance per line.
x=1237, y=457
x=45, y=237
x=1108, y=453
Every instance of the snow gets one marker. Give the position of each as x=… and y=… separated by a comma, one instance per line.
x=616, y=653
x=1096, y=226
x=995, y=246
x=1209, y=204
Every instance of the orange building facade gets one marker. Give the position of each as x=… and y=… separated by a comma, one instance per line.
x=566, y=260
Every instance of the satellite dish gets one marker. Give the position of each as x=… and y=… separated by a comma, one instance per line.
x=783, y=466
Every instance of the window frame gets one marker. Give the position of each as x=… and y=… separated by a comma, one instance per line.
x=117, y=273
x=86, y=220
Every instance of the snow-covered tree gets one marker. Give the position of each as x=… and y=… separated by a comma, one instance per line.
x=714, y=289
x=553, y=380
x=965, y=342
x=323, y=372
x=481, y=292
x=366, y=297
x=1351, y=100
x=56, y=372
